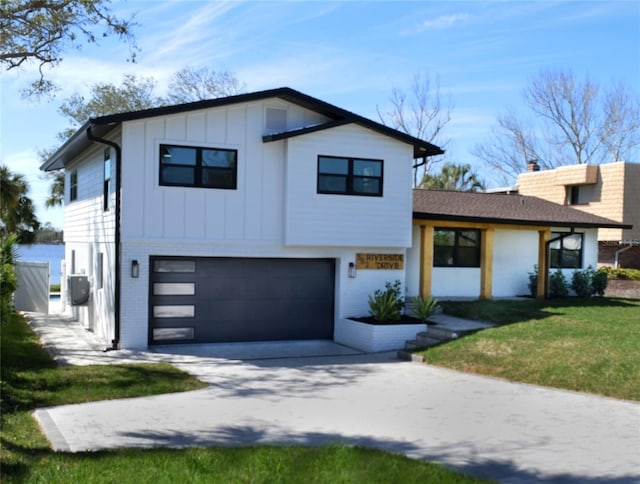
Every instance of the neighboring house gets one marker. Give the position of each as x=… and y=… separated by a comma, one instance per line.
x=610, y=190
x=264, y=216
x=482, y=245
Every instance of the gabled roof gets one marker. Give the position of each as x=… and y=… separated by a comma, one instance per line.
x=502, y=209
x=103, y=124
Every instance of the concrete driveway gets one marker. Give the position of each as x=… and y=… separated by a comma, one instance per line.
x=478, y=425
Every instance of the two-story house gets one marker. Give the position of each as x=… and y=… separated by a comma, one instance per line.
x=234, y=219
x=610, y=190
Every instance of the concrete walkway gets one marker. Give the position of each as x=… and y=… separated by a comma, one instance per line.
x=482, y=426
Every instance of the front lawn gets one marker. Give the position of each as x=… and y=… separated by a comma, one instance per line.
x=587, y=345
x=30, y=379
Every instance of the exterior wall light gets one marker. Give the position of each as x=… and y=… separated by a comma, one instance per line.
x=135, y=269
x=352, y=269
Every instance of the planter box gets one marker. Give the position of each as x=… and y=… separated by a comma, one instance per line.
x=375, y=337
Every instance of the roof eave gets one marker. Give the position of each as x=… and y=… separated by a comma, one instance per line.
x=505, y=221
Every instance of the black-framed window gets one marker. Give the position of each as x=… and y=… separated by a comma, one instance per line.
x=566, y=251
x=456, y=247
x=107, y=179
x=193, y=166
x=73, y=186
x=350, y=176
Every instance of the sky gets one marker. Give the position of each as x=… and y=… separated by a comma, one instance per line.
x=479, y=56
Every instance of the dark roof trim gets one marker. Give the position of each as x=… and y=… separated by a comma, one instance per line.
x=506, y=221
x=311, y=129
x=78, y=140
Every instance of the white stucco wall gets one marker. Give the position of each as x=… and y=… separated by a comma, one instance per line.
x=515, y=252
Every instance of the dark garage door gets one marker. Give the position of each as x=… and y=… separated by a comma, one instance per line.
x=203, y=300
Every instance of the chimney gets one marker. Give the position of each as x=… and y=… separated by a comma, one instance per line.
x=532, y=165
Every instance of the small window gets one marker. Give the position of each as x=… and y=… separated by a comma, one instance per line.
x=349, y=176
x=73, y=186
x=456, y=248
x=100, y=274
x=107, y=179
x=276, y=120
x=198, y=167
x=566, y=250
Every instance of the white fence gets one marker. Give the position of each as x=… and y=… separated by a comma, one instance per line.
x=33, y=287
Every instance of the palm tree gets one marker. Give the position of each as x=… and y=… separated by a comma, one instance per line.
x=460, y=178
x=56, y=189
x=17, y=212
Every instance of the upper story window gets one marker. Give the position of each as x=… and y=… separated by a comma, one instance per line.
x=106, y=197
x=190, y=166
x=566, y=252
x=73, y=186
x=456, y=247
x=349, y=176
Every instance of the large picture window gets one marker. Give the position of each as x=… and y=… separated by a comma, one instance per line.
x=456, y=248
x=349, y=176
x=566, y=251
x=190, y=166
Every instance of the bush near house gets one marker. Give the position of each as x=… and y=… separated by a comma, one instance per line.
x=627, y=274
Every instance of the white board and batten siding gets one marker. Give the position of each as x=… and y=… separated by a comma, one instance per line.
x=315, y=219
x=254, y=211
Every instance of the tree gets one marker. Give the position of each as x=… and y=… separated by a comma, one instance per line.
x=453, y=177
x=571, y=122
x=133, y=94
x=17, y=213
x=56, y=189
x=422, y=116
x=39, y=31
x=199, y=83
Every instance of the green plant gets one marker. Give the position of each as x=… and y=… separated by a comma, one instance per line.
x=533, y=281
x=387, y=305
x=581, y=282
x=599, y=282
x=629, y=274
x=558, y=286
x=424, y=308
x=8, y=278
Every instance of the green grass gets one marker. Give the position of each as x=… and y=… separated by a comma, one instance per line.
x=587, y=345
x=30, y=379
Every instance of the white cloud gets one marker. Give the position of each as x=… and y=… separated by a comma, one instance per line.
x=442, y=22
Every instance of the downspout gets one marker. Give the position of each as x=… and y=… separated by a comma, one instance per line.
x=116, y=314
x=620, y=251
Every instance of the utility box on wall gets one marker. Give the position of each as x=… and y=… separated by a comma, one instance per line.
x=78, y=286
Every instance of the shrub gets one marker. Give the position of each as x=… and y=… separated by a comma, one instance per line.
x=8, y=278
x=581, y=282
x=558, y=286
x=628, y=274
x=387, y=305
x=599, y=282
x=533, y=281
x=423, y=308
